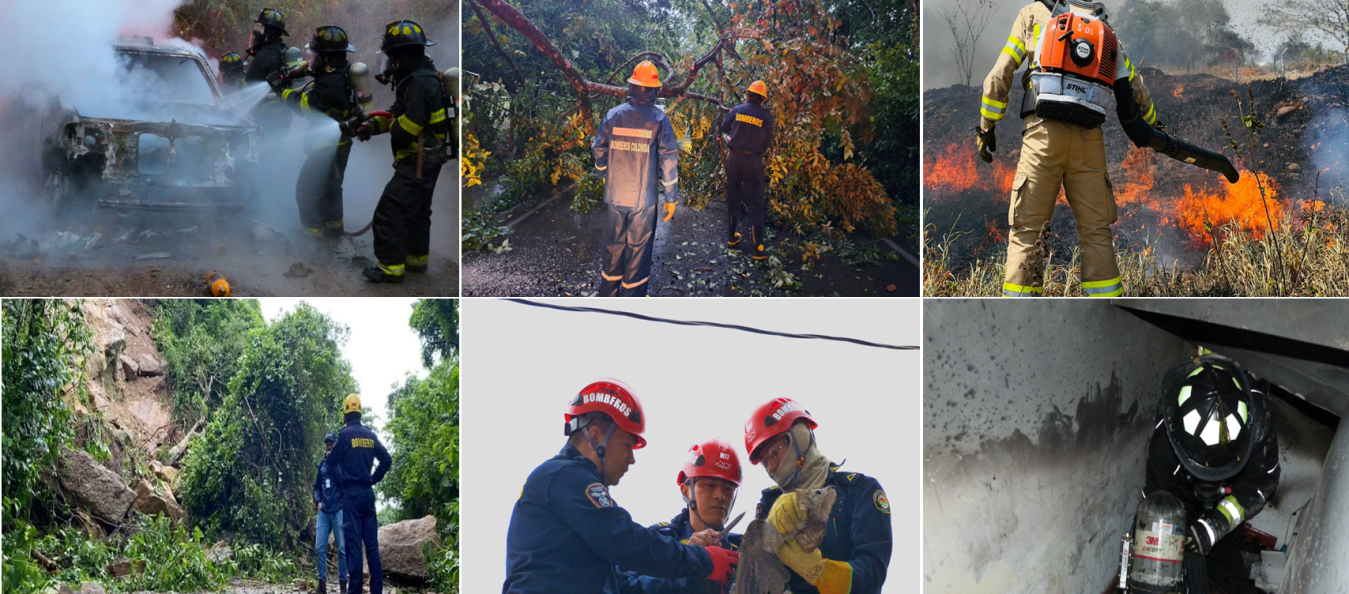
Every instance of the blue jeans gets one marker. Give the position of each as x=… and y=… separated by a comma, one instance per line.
x=330, y=522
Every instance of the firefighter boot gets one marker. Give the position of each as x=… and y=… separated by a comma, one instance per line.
x=380, y=274
x=755, y=248
x=733, y=238
x=418, y=264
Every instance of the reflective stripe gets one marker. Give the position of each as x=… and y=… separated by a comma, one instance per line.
x=437, y=116
x=392, y=269
x=1151, y=116
x=1212, y=538
x=405, y=153
x=304, y=102
x=1036, y=62
x=1130, y=66
x=1015, y=49
x=636, y=284
x=612, y=278
x=286, y=93
x=1105, y=288
x=601, y=168
x=671, y=182
x=638, y=132
x=418, y=260
x=993, y=109
x=338, y=224
x=1011, y=290
x=411, y=127
x=1233, y=510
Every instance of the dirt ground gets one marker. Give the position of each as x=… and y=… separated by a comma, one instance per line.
x=556, y=252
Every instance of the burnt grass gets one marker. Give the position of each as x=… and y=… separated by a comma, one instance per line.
x=1296, y=114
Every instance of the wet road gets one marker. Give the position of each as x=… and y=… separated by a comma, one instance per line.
x=555, y=252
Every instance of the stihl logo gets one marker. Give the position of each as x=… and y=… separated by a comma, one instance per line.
x=1153, y=540
x=1073, y=87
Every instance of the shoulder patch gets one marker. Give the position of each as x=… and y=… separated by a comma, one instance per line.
x=599, y=495
x=881, y=502
x=663, y=524
x=852, y=476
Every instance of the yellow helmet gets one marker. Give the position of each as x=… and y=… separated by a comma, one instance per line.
x=351, y=404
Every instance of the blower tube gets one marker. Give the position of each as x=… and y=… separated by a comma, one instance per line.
x=1145, y=136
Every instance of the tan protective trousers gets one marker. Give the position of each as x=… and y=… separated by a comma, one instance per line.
x=1054, y=155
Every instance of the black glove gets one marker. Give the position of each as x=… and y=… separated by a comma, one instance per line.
x=1200, y=537
x=278, y=81
x=988, y=143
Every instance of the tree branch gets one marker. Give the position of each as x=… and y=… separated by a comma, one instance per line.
x=487, y=26
x=513, y=19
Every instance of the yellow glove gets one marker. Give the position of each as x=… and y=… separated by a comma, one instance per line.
x=828, y=576
x=786, y=516
x=669, y=211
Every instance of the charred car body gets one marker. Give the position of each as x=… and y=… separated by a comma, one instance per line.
x=172, y=142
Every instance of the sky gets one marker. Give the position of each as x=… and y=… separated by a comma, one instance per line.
x=939, y=71
x=521, y=365
x=381, y=348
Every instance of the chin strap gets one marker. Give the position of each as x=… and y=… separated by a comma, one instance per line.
x=692, y=504
x=791, y=480
x=599, y=448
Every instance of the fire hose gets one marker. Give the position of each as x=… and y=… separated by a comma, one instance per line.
x=1145, y=136
x=352, y=126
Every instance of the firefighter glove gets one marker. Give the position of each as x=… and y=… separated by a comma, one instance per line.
x=1200, y=536
x=722, y=562
x=669, y=211
x=786, y=516
x=988, y=143
x=363, y=132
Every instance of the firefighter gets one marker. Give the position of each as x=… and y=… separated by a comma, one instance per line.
x=231, y=72
x=1214, y=448
x=708, y=483
x=635, y=147
x=568, y=535
x=353, y=458
x=1054, y=155
x=419, y=134
x=749, y=130
x=855, y=553
x=330, y=96
x=328, y=501
x=267, y=51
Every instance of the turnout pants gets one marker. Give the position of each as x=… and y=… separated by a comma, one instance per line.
x=1057, y=155
x=362, y=532
x=745, y=185
x=318, y=191
x=629, y=236
x=403, y=217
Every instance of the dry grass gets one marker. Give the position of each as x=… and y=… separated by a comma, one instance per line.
x=1307, y=256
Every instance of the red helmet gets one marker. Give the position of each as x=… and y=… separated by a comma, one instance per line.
x=613, y=398
x=773, y=419
x=714, y=458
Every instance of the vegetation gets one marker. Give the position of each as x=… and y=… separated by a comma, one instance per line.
x=201, y=342
x=1196, y=33
x=843, y=80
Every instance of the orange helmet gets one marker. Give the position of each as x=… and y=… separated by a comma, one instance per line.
x=772, y=419
x=645, y=75
x=760, y=88
x=613, y=398
x=714, y=458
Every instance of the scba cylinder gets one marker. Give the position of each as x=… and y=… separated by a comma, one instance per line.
x=1159, y=545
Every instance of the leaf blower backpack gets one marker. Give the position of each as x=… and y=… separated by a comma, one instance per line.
x=1074, y=80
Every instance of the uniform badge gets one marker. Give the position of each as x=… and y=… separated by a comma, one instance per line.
x=882, y=503
x=599, y=495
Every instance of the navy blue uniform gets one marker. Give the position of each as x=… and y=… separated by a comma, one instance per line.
x=682, y=530
x=352, y=459
x=326, y=490
x=858, y=532
x=635, y=147
x=568, y=535
x=750, y=128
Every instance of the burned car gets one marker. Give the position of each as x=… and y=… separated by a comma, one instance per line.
x=166, y=139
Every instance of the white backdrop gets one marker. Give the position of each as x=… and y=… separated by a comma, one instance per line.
x=521, y=365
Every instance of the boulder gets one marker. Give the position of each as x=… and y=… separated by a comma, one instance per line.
x=93, y=487
x=151, y=501
x=128, y=367
x=91, y=588
x=168, y=474
x=150, y=365
x=109, y=335
x=400, y=547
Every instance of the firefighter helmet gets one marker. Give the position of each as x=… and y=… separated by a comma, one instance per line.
x=330, y=38
x=715, y=459
x=1210, y=417
x=351, y=404
x=770, y=420
x=645, y=75
x=272, y=18
x=613, y=398
x=231, y=62
x=760, y=88
x=403, y=34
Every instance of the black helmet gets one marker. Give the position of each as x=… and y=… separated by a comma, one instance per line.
x=330, y=38
x=231, y=62
x=1211, y=416
x=402, y=34
x=271, y=18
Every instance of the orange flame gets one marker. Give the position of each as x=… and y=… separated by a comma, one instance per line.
x=1138, y=189
x=1240, y=203
x=954, y=170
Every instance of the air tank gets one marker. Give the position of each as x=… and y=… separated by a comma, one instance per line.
x=1159, y=545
